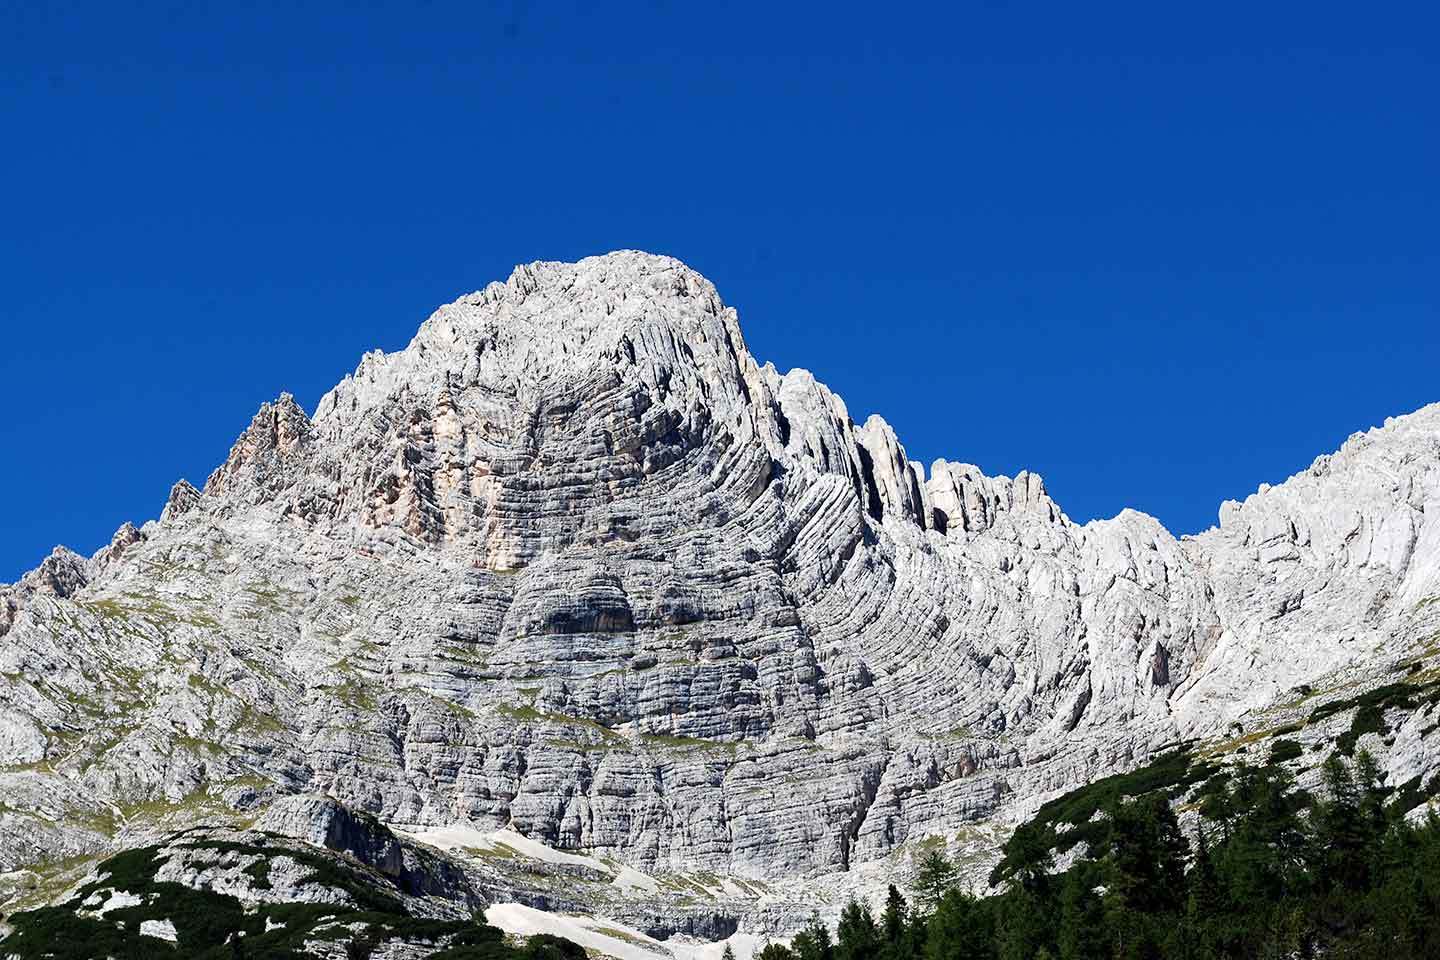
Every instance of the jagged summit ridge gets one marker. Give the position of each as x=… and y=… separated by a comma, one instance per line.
x=575, y=564
x=543, y=334
x=487, y=385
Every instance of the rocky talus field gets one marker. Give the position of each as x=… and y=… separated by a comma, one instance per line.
x=575, y=614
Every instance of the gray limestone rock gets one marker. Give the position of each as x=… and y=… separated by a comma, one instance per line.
x=575, y=565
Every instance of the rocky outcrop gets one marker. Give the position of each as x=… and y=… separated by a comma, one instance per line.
x=323, y=822
x=573, y=563
x=125, y=538
x=213, y=890
x=183, y=498
x=59, y=575
x=64, y=573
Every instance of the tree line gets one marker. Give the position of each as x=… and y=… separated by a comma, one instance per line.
x=1273, y=872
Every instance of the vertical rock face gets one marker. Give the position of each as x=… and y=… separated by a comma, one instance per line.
x=182, y=498
x=574, y=563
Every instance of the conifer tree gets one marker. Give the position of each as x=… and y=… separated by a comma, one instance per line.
x=894, y=930
x=935, y=877
x=1082, y=920
x=1022, y=927
x=1029, y=851
x=857, y=937
x=813, y=942
x=961, y=928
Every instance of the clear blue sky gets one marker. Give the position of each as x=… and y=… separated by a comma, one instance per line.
x=1158, y=255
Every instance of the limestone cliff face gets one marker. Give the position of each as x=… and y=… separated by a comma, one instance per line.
x=574, y=563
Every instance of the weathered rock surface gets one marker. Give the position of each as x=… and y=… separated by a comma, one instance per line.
x=575, y=564
x=324, y=822
x=210, y=890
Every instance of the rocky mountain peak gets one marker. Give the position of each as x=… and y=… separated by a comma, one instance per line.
x=279, y=431
x=183, y=497
x=575, y=566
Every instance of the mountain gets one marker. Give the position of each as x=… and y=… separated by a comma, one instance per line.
x=632, y=625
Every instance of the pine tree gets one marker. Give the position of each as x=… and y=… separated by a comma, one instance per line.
x=1144, y=856
x=857, y=937
x=775, y=951
x=1082, y=920
x=1029, y=855
x=962, y=927
x=894, y=930
x=1263, y=859
x=1197, y=932
x=359, y=947
x=728, y=953
x=1202, y=885
x=1370, y=782
x=935, y=877
x=813, y=942
x=1022, y=928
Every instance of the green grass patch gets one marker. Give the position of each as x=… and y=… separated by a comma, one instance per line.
x=671, y=742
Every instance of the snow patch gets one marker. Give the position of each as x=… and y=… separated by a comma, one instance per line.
x=629, y=880
x=614, y=939
x=463, y=837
